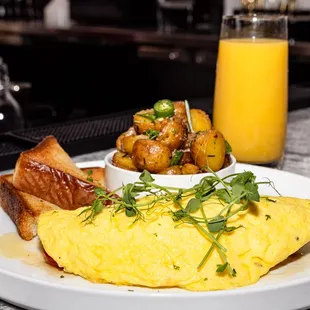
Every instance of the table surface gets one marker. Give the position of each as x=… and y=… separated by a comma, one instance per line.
x=296, y=160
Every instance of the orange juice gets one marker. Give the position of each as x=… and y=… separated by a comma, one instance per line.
x=251, y=97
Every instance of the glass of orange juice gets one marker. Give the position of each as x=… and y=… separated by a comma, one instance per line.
x=251, y=89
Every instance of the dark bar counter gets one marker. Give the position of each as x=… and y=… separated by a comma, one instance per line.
x=115, y=34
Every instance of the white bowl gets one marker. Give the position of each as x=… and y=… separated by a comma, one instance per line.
x=117, y=177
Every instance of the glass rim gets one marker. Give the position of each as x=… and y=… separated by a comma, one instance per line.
x=256, y=17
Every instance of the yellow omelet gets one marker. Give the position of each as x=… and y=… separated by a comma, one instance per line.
x=159, y=252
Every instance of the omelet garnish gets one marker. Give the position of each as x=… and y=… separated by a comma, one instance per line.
x=159, y=251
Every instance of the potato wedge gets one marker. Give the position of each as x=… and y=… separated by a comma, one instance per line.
x=151, y=155
x=208, y=150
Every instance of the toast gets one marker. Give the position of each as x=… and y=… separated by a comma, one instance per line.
x=47, y=172
x=95, y=173
x=23, y=209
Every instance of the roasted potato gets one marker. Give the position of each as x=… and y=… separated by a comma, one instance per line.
x=142, y=123
x=160, y=123
x=173, y=170
x=151, y=155
x=190, y=169
x=124, y=161
x=173, y=134
x=119, y=140
x=128, y=142
x=200, y=120
x=180, y=110
x=208, y=150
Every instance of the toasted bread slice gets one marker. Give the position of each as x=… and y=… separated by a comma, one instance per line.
x=94, y=173
x=23, y=209
x=48, y=172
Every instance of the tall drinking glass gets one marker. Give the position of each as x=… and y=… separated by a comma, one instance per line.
x=251, y=91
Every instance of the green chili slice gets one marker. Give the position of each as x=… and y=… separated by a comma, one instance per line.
x=164, y=108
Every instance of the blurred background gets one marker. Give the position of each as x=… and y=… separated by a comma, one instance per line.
x=65, y=60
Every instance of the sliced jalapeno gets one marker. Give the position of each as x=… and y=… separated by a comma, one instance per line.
x=164, y=108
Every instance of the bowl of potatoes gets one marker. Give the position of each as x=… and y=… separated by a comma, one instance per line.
x=176, y=144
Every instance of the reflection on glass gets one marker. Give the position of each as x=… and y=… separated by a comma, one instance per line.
x=174, y=14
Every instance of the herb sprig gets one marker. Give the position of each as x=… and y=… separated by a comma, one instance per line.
x=237, y=190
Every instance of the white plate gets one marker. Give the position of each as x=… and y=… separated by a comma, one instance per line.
x=26, y=281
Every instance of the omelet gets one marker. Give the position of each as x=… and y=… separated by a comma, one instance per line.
x=159, y=252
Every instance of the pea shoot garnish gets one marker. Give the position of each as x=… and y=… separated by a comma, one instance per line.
x=234, y=192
